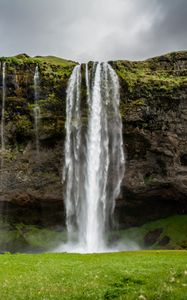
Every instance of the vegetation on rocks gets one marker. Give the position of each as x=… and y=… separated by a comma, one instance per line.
x=168, y=233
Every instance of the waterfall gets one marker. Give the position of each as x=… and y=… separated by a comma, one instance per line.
x=71, y=173
x=3, y=114
x=36, y=106
x=87, y=84
x=93, y=171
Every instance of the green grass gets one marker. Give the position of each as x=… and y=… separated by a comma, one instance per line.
x=23, y=58
x=132, y=275
x=151, y=74
x=55, y=60
x=51, y=67
x=141, y=72
x=175, y=227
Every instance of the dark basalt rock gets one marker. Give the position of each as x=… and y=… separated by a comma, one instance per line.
x=152, y=237
x=164, y=241
x=154, y=110
x=154, y=114
x=184, y=244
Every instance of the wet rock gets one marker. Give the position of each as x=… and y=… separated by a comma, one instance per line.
x=164, y=241
x=152, y=237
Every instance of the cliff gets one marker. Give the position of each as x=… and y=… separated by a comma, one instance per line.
x=154, y=112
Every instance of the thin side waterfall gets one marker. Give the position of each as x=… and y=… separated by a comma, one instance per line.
x=3, y=114
x=71, y=172
x=36, y=107
x=93, y=172
x=87, y=84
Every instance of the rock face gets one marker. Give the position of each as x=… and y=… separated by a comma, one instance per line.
x=154, y=112
x=154, y=109
x=31, y=189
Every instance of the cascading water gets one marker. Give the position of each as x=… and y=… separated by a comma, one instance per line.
x=3, y=114
x=36, y=106
x=71, y=173
x=93, y=171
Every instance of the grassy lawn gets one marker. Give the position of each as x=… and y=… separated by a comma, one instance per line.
x=131, y=275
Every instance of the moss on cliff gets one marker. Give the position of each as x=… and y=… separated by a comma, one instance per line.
x=153, y=234
x=27, y=238
x=54, y=74
x=165, y=74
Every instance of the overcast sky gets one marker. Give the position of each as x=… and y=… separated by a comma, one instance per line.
x=85, y=30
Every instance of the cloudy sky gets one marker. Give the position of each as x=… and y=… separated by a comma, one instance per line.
x=85, y=30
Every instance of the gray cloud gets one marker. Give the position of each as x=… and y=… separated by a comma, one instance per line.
x=97, y=30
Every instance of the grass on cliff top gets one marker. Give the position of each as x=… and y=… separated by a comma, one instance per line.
x=136, y=72
x=24, y=58
x=152, y=72
x=52, y=69
x=54, y=60
x=142, y=275
x=55, y=65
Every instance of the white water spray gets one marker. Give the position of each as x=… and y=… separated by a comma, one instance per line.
x=93, y=172
x=36, y=107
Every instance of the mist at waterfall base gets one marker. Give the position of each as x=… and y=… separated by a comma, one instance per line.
x=94, y=160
